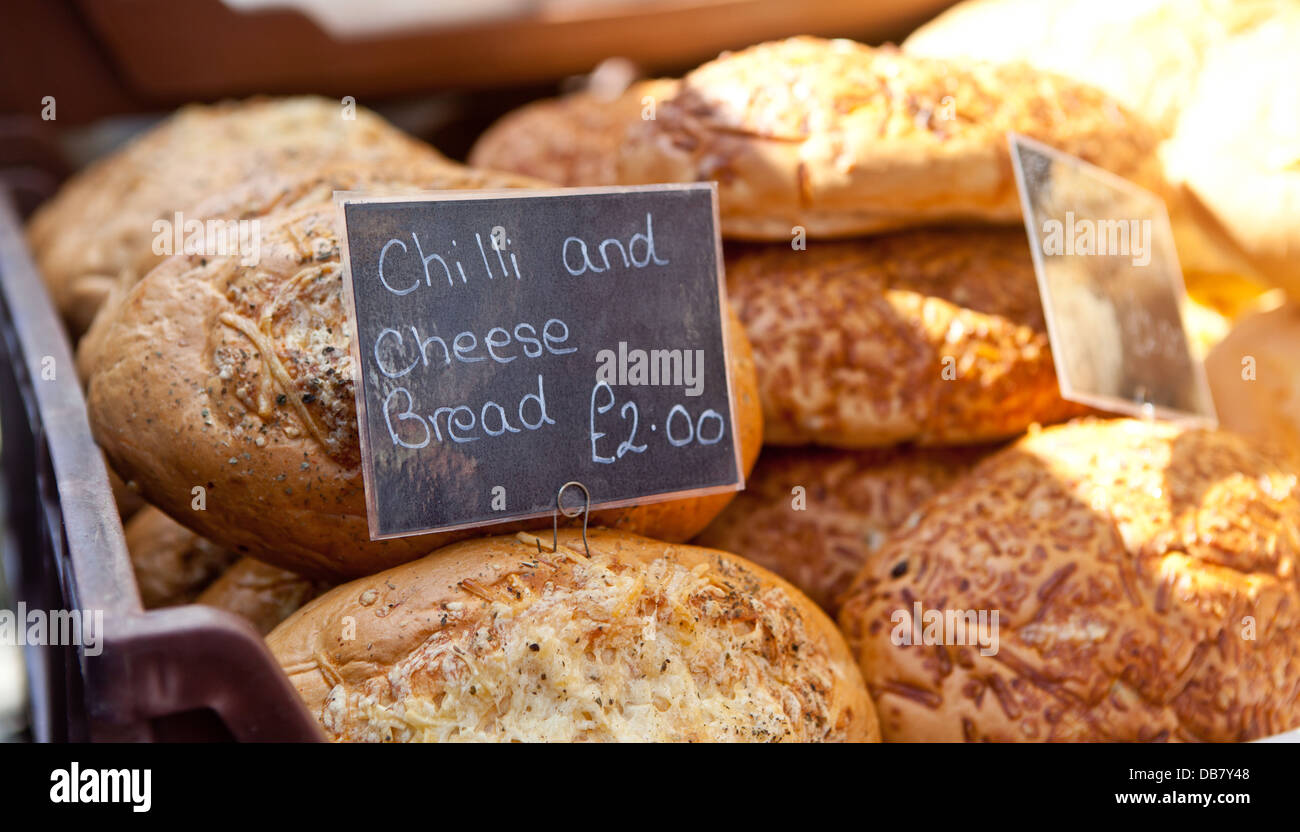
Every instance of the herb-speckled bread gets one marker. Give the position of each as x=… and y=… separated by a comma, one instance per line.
x=502, y=639
x=240, y=380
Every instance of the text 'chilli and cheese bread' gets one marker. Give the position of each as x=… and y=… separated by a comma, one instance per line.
x=932, y=336
x=503, y=639
x=1100, y=580
x=812, y=515
x=103, y=222
x=238, y=379
x=844, y=139
x=262, y=594
x=172, y=564
x=572, y=140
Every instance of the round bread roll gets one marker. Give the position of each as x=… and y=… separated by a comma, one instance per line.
x=843, y=139
x=263, y=594
x=572, y=140
x=102, y=221
x=1238, y=145
x=931, y=336
x=1143, y=580
x=812, y=515
x=503, y=639
x=240, y=379
x=1254, y=376
x=172, y=564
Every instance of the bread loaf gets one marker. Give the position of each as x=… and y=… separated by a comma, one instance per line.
x=572, y=140
x=1143, y=580
x=239, y=380
x=929, y=336
x=264, y=595
x=503, y=639
x=1254, y=375
x=842, y=139
x=172, y=564
x=812, y=515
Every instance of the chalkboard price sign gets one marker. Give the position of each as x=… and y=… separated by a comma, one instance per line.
x=508, y=342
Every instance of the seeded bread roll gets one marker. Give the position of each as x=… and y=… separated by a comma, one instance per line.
x=572, y=140
x=1144, y=579
x=929, y=336
x=172, y=564
x=102, y=222
x=846, y=503
x=502, y=639
x=240, y=379
x=843, y=139
x=1254, y=376
x=264, y=595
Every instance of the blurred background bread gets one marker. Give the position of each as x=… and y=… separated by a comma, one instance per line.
x=503, y=639
x=262, y=594
x=573, y=140
x=172, y=564
x=1255, y=377
x=1213, y=75
x=1144, y=579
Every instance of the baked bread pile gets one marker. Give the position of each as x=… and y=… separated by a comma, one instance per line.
x=877, y=258
x=222, y=392
x=1095, y=579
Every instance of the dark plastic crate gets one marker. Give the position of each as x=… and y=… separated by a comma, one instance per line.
x=181, y=673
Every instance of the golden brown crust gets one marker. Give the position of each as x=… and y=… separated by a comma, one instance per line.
x=569, y=141
x=843, y=139
x=501, y=638
x=852, y=339
x=1147, y=54
x=819, y=538
x=263, y=594
x=101, y=223
x=172, y=564
x=180, y=395
x=1254, y=376
x=1144, y=577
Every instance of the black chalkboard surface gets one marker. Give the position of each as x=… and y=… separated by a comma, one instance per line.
x=510, y=342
